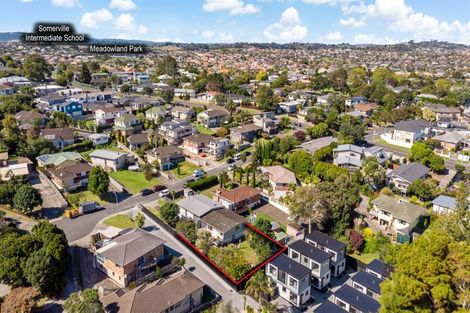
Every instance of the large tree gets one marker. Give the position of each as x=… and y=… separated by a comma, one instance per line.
x=98, y=181
x=36, y=68
x=85, y=302
x=169, y=213
x=373, y=173
x=258, y=286
x=307, y=204
x=26, y=199
x=265, y=98
x=85, y=75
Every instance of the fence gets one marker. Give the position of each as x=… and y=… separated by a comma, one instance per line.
x=117, y=185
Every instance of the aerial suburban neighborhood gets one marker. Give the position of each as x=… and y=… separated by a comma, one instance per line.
x=234, y=177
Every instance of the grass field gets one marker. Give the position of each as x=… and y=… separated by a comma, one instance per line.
x=249, y=253
x=201, y=129
x=365, y=258
x=133, y=181
x=120, y=221
x=383, y=142
x=186, y=169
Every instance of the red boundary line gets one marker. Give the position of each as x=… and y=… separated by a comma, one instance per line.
x=253, y=270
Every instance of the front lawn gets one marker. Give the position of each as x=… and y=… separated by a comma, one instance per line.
x=120, y=221
x=365, y=258
x=202, y=130
x=186, y=169
x=383, y=142
x=134, y=182
x=208, y=192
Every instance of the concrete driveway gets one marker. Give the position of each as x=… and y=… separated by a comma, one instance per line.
x=52, y=202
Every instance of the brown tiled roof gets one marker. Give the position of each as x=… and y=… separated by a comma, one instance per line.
x=70, y=171
x=155, y=297
x=246, y=128
x=238, y=194
x=164, y=151
x=28, y=116
x=64, y=133
x=199, y=138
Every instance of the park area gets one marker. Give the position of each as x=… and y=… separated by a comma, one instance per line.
x=134, y=182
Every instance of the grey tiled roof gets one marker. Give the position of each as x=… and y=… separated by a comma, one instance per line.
x=291, y=267
x=368, y=280
x=399, y=208
x=198, y=205
x=445, y=201
x=409, y=172
x=357, y=299
x=309, y=251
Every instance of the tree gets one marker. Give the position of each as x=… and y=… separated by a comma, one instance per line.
x=373, y=173
x=300, y=161
x=306, y=204
x=351, y=130
x=85, y=302
x=258, y=286
x=356, y=240
x=188, y=229
x=262, y=75
x=85, y=75
x=125, y=88
x=147, y=169
x=139, y=220
x=36, y=68
x=167, y=66
x=421, y=152
x=147, y=91
x=338, y=79
x=318, y=131
x=223, y=179
x=357, y=80
x=265, y=98
x=98, y=181
x=21, y=299
x=26, y=199
x=231, y=259
x=169, y=213
x=40, y=271
x=204, y=240
x=285, y=122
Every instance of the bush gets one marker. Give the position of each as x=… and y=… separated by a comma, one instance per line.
x=204, y=183
x=79, y=147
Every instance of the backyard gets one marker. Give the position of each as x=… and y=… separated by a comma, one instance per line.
x=134, y=182
x=120, y=221
x=202, y=130
x=185, y=169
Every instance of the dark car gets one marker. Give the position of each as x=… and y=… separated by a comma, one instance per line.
x=157, y=188
x=185, y=184
x=146, y=192
x=230, y=161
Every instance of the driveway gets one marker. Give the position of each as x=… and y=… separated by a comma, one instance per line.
x=52, y=202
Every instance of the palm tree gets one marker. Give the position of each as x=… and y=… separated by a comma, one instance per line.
x=223, y=178
x=257, y=286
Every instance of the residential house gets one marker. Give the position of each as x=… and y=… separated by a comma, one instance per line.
x=99, y=139
x=195, y=207
x=27, y=119
x=107, y=115
x=167, y=156
x=397, y=217
x=213, y=117
x=127, y=124
x=406, y=133
x=316, y=260
x=317, y=144
x=108, y=159
x=366, y=109
x=356, y=100
x=224, y=225
x=406, y=174
x=245, y=133
x=156, y=113
x=444, y=112
x=7, y=89
x=348, y=156
x=174, y=131
x=57, y=160
x=379, y=153
x=451, y=140
x=197, y=143
x=329, y=307
x=290, y=107
x=239, y=199
x=183, y=113
x=182, y=92
x=13, y=167
x=136, y=141
x=379, y=268
x=267, y=121
x=129, y=257
x=70, y=177
x=51, y=99
x=335, y=248
x=180, y=293
x=142, y=103
x=367, y=283
x=60, y=137
x=353, y=300
x=207, y=96
x=290, y=278
x=218, y=147
x=92, y=97
x=71, y=108
x=280, y=180
x=444, y=204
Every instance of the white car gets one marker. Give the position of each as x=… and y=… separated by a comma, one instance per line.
x=164, y=193
x=198, y=173
x=231, y=167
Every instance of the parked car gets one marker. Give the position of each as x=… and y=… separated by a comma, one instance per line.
x=146, y=192
x=88, y=207
x=237, y=156
x=164, y=193
x=198, y=173
x=230, y=161
x=185, y=184
x=134, y=168
x=158, y=188
x=231, y=167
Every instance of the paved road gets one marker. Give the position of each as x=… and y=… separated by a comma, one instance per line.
x=82, y=226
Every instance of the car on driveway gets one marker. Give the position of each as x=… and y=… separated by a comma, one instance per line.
x=230, y=161
x=157, y=188
x=164, y=193
x=146, y=192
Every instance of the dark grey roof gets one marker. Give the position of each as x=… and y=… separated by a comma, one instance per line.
x=310, y=251
x=412, y=125
x=445, y=201
x=380, y=267
x=325, y=240
x=357, y=299
x=291, y=267
x=329, y=307
x=410, y=172
x=223, y=220
x=368, y=280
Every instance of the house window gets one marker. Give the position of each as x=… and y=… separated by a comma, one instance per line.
x=292, y=282
x=272, y=270
x=140, y=261
x=370, y=293
x=294, y=255
x=340, y=303
x=314, y=266
x=358, y=287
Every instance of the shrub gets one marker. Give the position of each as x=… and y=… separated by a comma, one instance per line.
x=204, y=183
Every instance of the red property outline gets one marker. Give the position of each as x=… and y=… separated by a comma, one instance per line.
x=253, y=270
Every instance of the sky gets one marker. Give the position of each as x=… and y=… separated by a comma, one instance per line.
x=220, y=21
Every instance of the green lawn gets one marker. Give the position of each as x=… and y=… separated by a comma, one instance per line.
x=186, y=169
x=365, y=258
x=201, y=129
x=249, y=253
x=383, y=142
x=134, y=182
x=208, y=192
x=266, y=216
x=120, y=221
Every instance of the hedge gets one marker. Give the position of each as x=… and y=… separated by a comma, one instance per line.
x=82, y=146
x=203, y=183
